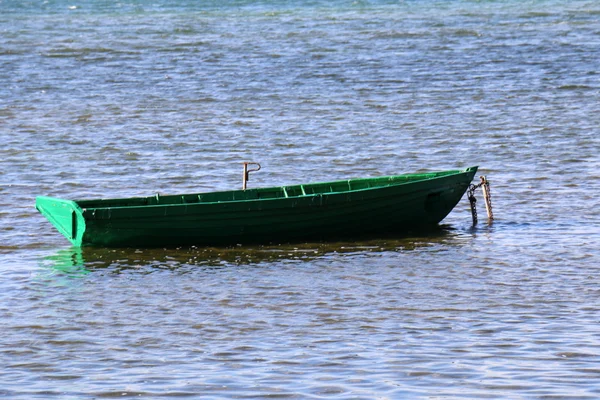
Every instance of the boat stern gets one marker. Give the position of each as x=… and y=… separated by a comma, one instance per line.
x=65, y=215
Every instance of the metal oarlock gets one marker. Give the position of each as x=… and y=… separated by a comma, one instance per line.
x=247, y=171
x=485, y=187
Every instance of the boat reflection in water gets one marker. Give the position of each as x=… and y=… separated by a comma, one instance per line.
x=78, y=260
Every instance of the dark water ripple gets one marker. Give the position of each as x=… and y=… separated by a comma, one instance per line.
x=122, y=99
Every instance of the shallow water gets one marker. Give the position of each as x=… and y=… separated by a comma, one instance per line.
x=106, y=99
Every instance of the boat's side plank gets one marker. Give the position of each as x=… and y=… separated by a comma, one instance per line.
x=391, y=209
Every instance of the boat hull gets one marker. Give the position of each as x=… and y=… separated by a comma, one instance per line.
x=402, y=204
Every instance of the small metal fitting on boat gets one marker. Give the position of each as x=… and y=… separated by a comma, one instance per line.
x=247, y=171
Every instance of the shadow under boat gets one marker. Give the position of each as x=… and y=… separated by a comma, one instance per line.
x=89, y=259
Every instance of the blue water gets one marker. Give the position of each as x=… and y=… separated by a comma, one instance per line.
x=111, y=99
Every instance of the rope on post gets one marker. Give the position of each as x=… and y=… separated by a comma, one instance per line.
x=472, y=202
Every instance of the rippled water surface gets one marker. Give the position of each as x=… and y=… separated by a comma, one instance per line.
x=119, y=99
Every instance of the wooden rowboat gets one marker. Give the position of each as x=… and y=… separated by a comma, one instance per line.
x=318, y=211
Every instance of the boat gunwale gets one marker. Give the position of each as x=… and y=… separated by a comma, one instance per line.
x=427, y=176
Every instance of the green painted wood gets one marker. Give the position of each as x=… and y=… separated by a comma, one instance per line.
x=318, y=211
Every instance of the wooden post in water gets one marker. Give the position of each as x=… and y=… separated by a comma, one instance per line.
x=485, y=187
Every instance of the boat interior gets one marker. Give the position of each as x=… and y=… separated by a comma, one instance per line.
x=262, y=193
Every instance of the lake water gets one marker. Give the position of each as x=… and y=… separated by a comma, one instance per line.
x=120, y=99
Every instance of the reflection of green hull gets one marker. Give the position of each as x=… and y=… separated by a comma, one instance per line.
x=318, y=211
x=78, y=261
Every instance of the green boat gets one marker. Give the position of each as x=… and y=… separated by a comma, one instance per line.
x=313, y=212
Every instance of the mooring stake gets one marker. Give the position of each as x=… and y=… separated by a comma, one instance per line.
x=485, y=188
x=247, y=171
